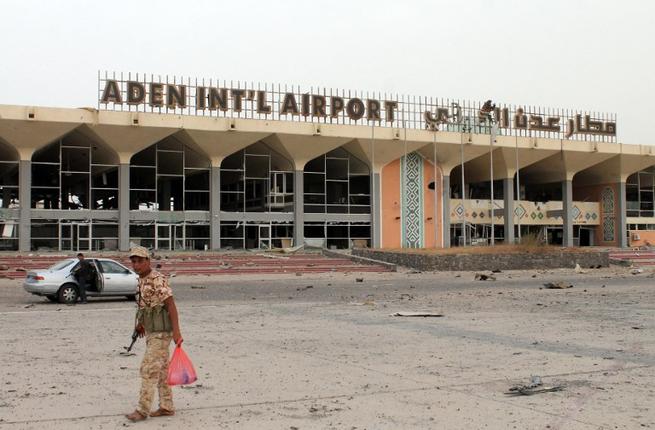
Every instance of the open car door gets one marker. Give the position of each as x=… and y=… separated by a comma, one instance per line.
x=97, y=276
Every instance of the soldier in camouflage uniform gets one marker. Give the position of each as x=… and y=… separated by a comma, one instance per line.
x=157, y=320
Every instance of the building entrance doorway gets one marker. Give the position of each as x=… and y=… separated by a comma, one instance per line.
x=170, y=237
x=258, y=236
x=554, y=235
x=74, y=236
x=586, y=236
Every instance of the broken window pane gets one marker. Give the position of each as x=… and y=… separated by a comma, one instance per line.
x=232, y=202
x=196, y=201
x=45, y=175
x=9, y=174
x=8, y=197
x=196, y=180
x=170, y=163
x=256, y=194
x=143, y=178
x=75, y=191
x=45, y=198
x=49, y=154
x=257, y=166
x=75, y=159
x=170, y=193
x=143, y=200
x=104, y=199
x=147, y=157
x=231, y=180
x=104, y=176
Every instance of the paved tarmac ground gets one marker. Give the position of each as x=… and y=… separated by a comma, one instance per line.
x=323, y=352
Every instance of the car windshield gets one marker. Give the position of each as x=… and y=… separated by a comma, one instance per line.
x=60, y=265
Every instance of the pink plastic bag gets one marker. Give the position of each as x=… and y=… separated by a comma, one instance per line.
x=180, y=369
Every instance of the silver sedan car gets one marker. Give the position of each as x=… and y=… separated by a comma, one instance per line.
x=58, y=284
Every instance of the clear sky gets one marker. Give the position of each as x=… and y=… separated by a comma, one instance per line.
x=592, y=55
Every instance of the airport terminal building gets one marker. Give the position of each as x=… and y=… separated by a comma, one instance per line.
x=188, y=164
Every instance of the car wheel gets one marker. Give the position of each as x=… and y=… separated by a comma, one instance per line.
x=52, y=298
x=67, y=294
x=131, y=297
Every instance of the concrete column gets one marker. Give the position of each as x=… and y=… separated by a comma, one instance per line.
x=25, y=201
x=445, y=216
x=124, y=207
x=622, y=217
x=298, y=208
x=508, y=209
x=376, y=205
x=567, y=212
x=215, y=208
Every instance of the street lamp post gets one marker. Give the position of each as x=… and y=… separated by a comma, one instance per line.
x=466, y=128
x=492, y=138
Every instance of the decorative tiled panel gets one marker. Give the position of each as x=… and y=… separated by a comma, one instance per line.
x=412, y=198
x=609, y=219
x=525, y=212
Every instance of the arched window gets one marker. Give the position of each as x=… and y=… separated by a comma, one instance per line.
x=75, y=173
x=8, y=177
x=337, y=182
x=169, y=176
x=9, y=197
x=256, y=179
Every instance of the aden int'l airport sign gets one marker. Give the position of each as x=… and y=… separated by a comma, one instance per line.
x=149, y=93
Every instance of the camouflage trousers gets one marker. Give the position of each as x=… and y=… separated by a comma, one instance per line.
x=154, y=371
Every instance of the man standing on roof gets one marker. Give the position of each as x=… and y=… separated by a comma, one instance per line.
x=157, y=320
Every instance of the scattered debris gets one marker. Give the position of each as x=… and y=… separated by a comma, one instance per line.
x=578, y=269
x=534, y=276
x=293, y=249
x=635, y=327
x=411, y=272
x=304, y=288
x=535, y=386
x=359, y=279
x=496, y=271
x=416, y=314
x=279, y=257
x=483, y=277
x=20, y=269
x=557, y=285
x=172, y=275
x=366, y=303
x=4, y=267
x=198, y=287
x=31, y=305
x=298, y=274
x=636, y=271
x=158, y=266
